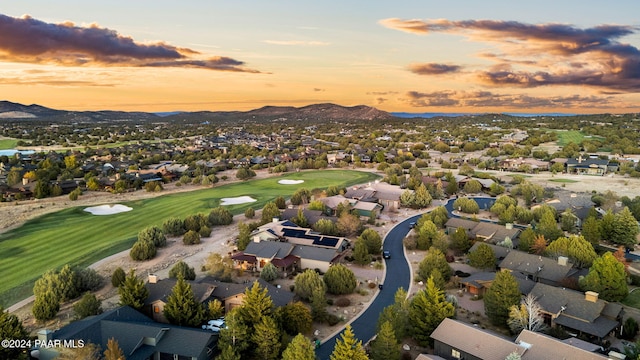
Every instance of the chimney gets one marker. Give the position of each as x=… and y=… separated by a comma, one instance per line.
x=25, y=181
x=591, y=296
x=563, y=260
x=508, y=226
x=256, y=239
x=580, y=159
x=153, y=279
x=45, y=335
x=275, y=220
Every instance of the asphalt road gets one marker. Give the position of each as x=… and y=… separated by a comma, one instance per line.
x=398, y=274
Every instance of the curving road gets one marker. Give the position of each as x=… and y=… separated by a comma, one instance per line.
x=398, y=274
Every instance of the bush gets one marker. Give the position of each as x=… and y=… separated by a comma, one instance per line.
x=183, y=269
x=205, y=231
x=173, y=226
x=333, y=319
x=372, y=285
x=411, y=243
x=191, y=238
x=118, y=276
x=220, y=216
x=343, y=302
x=87, y=306
x=154, y=235
x=143, y=250
x=249, y=213
x=88, y=280
x=340, y=280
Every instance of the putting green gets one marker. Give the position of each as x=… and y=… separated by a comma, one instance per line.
x=79, y=238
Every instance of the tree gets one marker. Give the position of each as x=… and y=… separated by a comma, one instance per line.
x=113, y=351
x=195, y=222
x=301, y=196
x=249, y=213
x=548, y=227
x=300, y=348
x=326, y=227
x=527, y=238
x=348, y=347
x=625, y=229
x=373, y=241
x=340, y=280
x=269, y=272
x=236, y=335
x=266, y=338
x=228, y=352
x=220, y=216
x=11, y=329
x=385, y=346
x=244, y=173
x=173, y=226
x=87, y=306
x=219, y=267
x=88, y=279
x=215, y=309
x=607, y=225
x=46, y=306
x=68, y=283
x=397, y=314
x=182, y=269
x=349, y=224
x=498, y=299
x=153, y=234
x=428, y=309
x=472, y=187
x=434, y=260
x=244, y=236
x=269, y=212
x=460, y=241
x=607, y=277
x=407, y=199
x=306, y=282
x=422, y=198
x=575, y=247
x=143, y=250
x=294, y=318
x=281, y=203
x=256, y=304
x=300, y=219
x=483, y=257
x=427, y=232
x=133, y=292
x=319, y=304
x=466, y=205
x=182, y=308
x=591, y=230
x=360, y=253
x=568, y=220
x=118, y=277
x=191, y=238
x=528, y=315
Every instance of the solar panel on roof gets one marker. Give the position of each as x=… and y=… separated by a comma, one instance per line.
x=326, y=241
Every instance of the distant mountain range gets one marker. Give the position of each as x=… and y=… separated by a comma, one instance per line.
x=317, y=112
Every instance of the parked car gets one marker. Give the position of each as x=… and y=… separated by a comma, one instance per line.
x=412, y=225
x=386, y=254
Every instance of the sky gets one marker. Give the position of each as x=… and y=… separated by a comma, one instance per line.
x=401, y=56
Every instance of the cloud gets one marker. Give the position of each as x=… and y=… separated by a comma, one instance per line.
x=382, y=93
x=532, y=55
x=30, y=40
x=318, y=89
x=433, y=69
x=380, y=100
x=297, y=43
x=479, y=99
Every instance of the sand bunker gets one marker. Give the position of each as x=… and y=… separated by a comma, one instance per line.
x=290, y=182
x=107, y=209
x=237, y=200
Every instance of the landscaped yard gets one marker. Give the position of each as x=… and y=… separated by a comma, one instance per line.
x=569, y=181
x=633, y=299
x=80, y=238
x=6, y=144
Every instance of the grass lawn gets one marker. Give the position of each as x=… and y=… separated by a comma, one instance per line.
x=569, y=181
x=6, y=144
x=76, y=237
x=633, y=299
x=574, y=136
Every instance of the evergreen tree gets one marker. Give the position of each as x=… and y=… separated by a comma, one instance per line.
x=385, y=346
x=182, y=269
x=319, y=304
x=215, y=309
x=434, y=259
x=548, y=227
x=249, y=213
x=576, y=248
x=300, y=348
x=498, y=299
x=11, y=329
x=236, y=335
x=153, y=234
x=113, y=351
x=527, y=238
x=427, y=232
x=422, y=197
x=348, y=347
x=228, y=352
x=408, y=199
x=397, y=314
x=340, y=280
x=300, y=219
x=373, y=241
x=326, y=227
x=133, y=292
x=87, y=306
x=607, y=225
x=428, y=308
x=460, y=241
x=173, y=227
x=483, y=257
x=220, y=216
x=182, y=308
x=306, y=282
x=591, y=230
x=269, y=272
x=360, y=253
x=607, y=277
x=266, y=338
x=191, y=237
x=270, y=211
x=256, y=304
x=244, y=236
x=294, y=318
x=625, y=229
x=46, y=306
x=280, y=202
x=143, y=250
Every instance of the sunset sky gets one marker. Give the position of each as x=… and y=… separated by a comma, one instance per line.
x=406, y=55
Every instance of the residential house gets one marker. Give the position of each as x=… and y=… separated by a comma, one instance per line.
x=232, y=295
x=312, y=216
x=483, y=231
x=478, y=283
x=454, y=340
x=583, y=313
x=587, y=166
x=159, y=291
x=139, y=337
x=361, y=207
x=538, y=268
x=524, y=164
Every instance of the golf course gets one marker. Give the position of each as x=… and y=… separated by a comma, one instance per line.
x=74, y=236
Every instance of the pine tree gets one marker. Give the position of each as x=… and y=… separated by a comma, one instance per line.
x=360, y=253
x=434, y=259
x=498, y=299
x=118, y=277
x=133, y=292
x=428, y=308
x=340, y=280
x=385, y=346
x=87, y=306
x=270, y=211
x=607, y=277
x=11, y=328
x=269, y=272
x=460, y=241
x=256, y=304
x=348, y=347
x=625, y=229
x=183, y=269
x=182, y=308
x=228, y=353
x=397, y=314
x=422, y=197
x=306, y=282
x=294, y=318
x=483, y=257
x=113, y=352
x=215, y=309
x=591, y=230
x=300, y=348
x=46, y=306
x=266, y=338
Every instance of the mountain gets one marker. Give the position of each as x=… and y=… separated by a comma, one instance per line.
x=311, y=113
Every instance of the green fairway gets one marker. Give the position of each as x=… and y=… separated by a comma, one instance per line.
x=79, y=238
x=568, y=181
x=574, y=136
x=6, y=144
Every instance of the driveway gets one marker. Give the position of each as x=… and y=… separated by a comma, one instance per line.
x=397, y=275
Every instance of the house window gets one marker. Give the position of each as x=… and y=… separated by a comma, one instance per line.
x=156, y=309
x=456, y=354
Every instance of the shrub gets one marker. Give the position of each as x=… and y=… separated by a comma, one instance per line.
x=343, y=302
x=118, y=276
x=88, y=280
x=333, y=319
x=191, y=238
x=411, y=243
x=205, y=231
x=249, y=213
x=89, y=305
x=220, y=216
x=372, y=285
x=183, y=269
x=340, y=280
x=143, y=250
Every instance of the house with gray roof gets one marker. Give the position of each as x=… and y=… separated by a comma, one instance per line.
x=139, y=337
x=583, y=313
x=159, y=291
x=454, y=340
x=587, y=166
x=232, y=294
x=483, y=231
x=538, y=268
